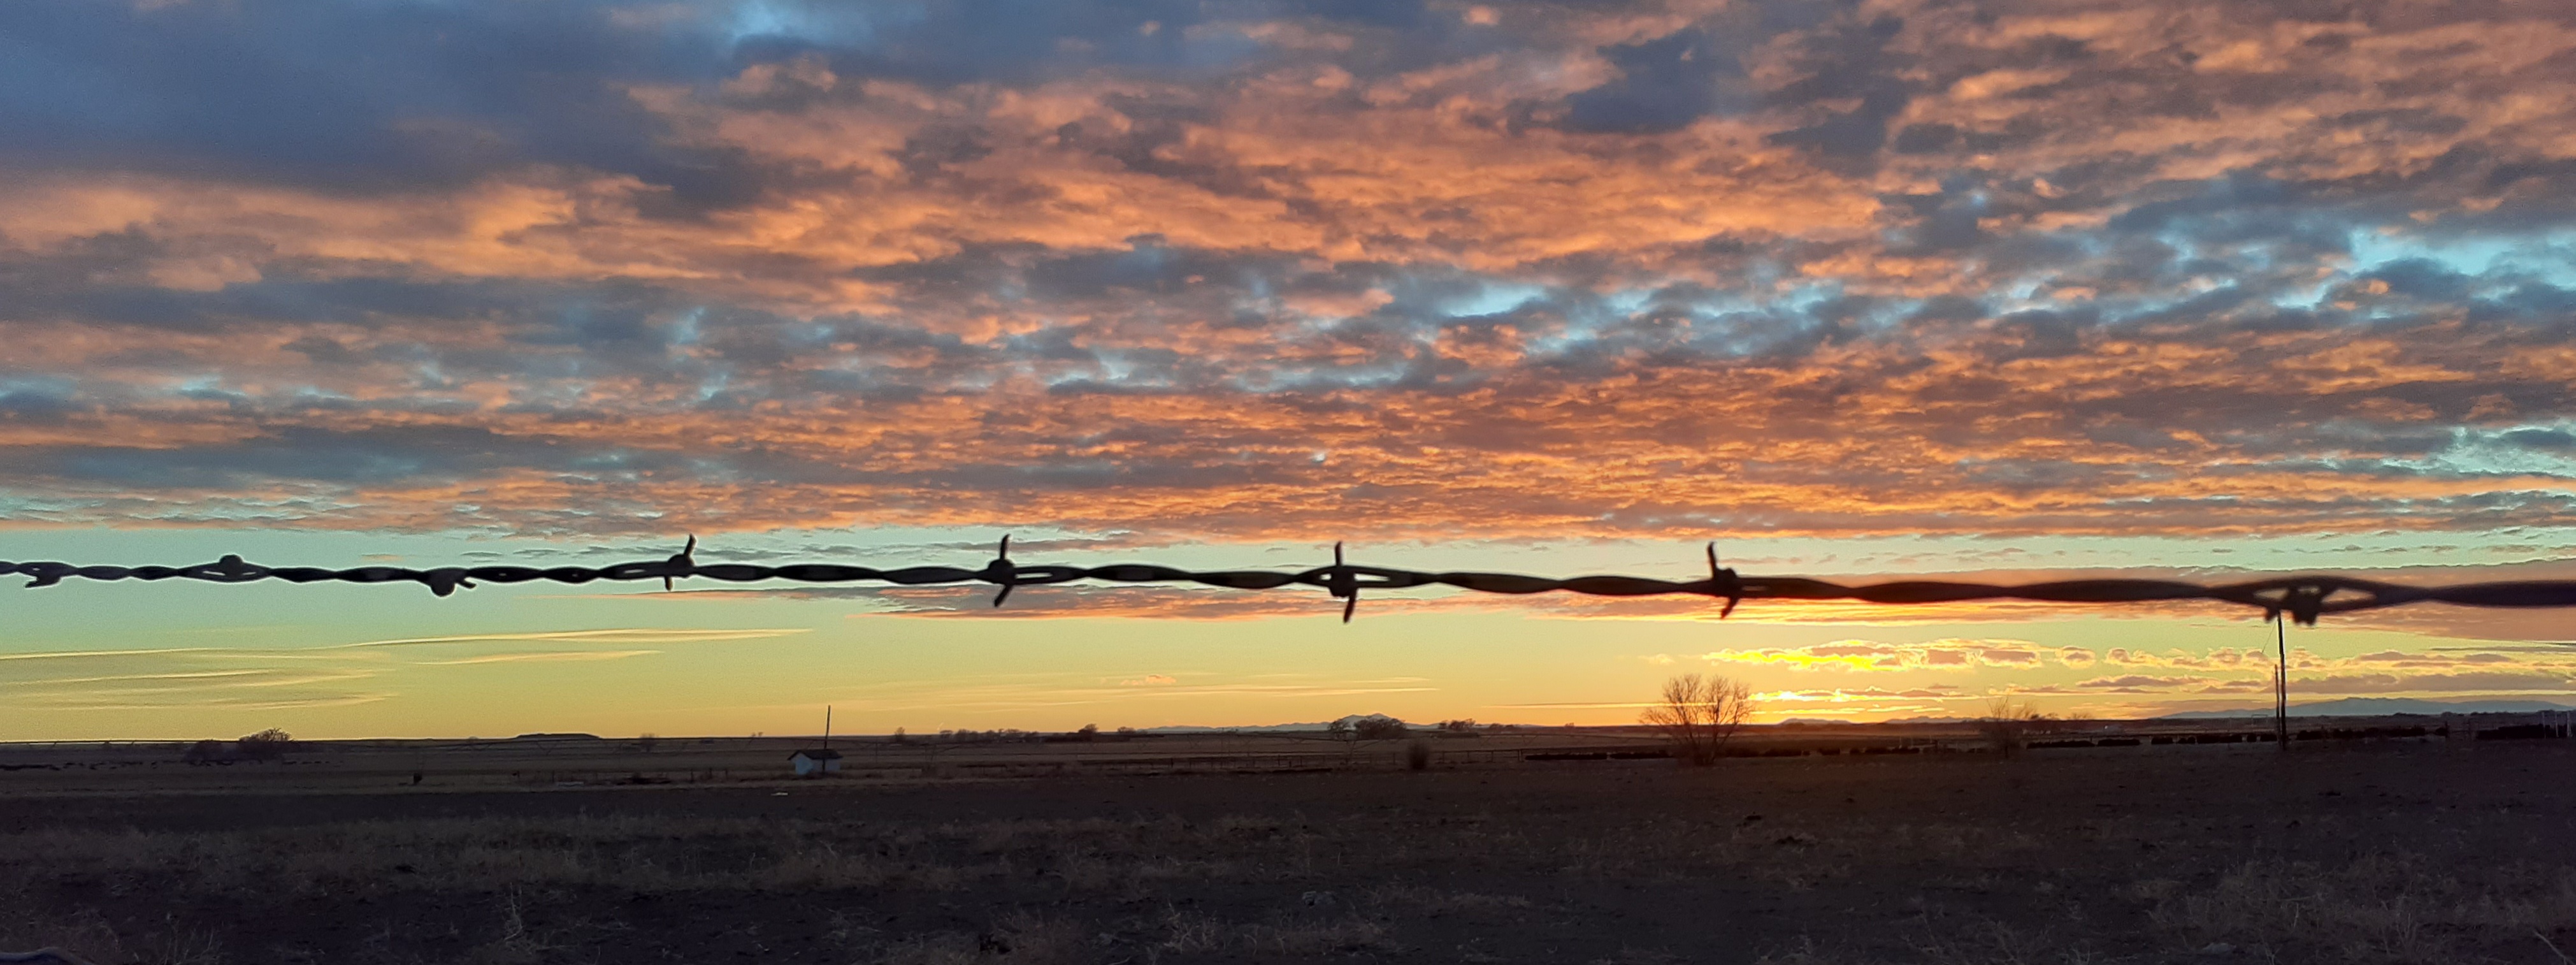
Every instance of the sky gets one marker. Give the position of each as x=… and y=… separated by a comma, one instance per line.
x=1876, y=289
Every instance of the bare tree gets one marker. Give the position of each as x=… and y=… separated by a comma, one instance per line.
x=2008, y=724
x=1700, y=714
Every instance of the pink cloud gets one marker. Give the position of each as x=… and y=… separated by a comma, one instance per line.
x=1267, y=303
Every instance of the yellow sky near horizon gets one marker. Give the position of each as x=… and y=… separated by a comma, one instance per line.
x=175, y=660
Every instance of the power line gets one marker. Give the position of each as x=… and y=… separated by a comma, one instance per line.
x=2303, y=598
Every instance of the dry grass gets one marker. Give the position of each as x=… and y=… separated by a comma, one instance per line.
x=1808, y=877
x=1434, y=901
x=1020, y=938
x=2378, y=908
x=653, y=855
x=1317, y=937
x=91, y=935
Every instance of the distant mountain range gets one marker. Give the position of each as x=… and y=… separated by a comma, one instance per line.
x=2382, y=707
x=1354, y=720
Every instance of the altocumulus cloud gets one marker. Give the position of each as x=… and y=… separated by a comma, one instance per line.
x=1516, y=268
x=1869, y=656
x=2384, y=672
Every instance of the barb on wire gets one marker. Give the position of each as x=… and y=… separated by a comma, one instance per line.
x=2302, y=598
x=1722, y=581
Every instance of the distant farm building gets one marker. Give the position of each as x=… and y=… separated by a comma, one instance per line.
x=810, y=763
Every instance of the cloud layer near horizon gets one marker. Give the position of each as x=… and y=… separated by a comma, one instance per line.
x=1248, y=270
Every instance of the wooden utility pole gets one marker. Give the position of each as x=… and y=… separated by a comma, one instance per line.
x=2281, y=681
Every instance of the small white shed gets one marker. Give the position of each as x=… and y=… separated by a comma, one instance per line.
x=810, y=763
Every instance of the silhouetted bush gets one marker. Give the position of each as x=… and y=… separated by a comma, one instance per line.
x=1417, y=755
x=1379, y=728
x=2521, y=732
x=267, y=745
x=204, y=752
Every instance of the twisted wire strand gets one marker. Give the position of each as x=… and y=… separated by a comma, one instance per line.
x=2304, y=597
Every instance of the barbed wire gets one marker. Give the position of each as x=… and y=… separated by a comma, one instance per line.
x=2304, y=598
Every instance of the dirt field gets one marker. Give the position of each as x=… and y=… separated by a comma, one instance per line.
x=2343, y=851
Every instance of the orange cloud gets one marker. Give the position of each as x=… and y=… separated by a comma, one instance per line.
x=1599, y=273
x=1865, y=655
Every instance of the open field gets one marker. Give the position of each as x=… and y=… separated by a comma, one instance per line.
x=1232, y=849
x=564, y=760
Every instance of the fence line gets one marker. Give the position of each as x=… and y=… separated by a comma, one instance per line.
x=2304, y=598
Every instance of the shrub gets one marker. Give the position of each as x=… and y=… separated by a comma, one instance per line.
x=267, y=745
x=1379, y=728
x=1417, y=755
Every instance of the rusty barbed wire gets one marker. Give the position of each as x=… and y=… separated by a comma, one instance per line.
x=2304, y=598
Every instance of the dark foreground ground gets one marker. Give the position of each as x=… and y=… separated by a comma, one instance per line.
x=2351, y=853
